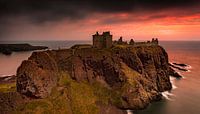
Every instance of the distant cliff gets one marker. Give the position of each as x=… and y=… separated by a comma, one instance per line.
x=89, y=80
x=9, y=48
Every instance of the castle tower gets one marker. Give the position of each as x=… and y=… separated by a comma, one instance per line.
x=107, y=39
x=131, y=42
x=102, y=41
x=155, y=41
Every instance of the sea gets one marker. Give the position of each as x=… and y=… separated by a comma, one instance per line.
x=184, y=98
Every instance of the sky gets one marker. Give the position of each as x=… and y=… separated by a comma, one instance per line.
x=80, y=19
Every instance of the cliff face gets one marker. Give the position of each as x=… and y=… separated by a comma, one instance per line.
x=123, y=77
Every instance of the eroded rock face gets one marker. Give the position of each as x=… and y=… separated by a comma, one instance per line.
x=9, y=101
x=139, y=74
x=37, y=75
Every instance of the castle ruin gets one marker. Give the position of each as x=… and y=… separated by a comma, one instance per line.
x=102, y=40
x=132, y=42
x=154, y=40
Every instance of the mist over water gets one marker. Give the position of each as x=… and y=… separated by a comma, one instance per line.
x=183, y=99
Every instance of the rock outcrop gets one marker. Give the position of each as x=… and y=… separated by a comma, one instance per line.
x=134, y=74
x=173, y=73
x=7, y=49
x=37, y=76
x=177, y=67
x=8, y=79
x=9, y=101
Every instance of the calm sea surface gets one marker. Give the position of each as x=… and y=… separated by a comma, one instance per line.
x=184, y=99
x=9, y=64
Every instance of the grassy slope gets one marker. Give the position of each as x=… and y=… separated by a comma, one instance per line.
x=9, y=87
x=72, y=97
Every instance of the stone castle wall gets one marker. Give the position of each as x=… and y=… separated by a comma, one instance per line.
x=102, y=41
x=97, y=41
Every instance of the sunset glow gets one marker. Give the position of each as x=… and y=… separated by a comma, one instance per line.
x=180, y=22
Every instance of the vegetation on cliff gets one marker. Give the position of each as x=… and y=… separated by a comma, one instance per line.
x=70, y=96
x=90, y=80
x=10, y=87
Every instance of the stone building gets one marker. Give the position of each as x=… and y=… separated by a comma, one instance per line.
x=132, y=42
x=154, y=41
x=102, y=40
x=120, y=41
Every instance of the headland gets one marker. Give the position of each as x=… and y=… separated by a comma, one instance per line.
x=104, y=78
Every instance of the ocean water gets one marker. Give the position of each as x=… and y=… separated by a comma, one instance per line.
x=9, y=64
x=183, y=99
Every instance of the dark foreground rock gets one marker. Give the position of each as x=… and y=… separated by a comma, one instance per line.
x=89, y=80
x=178, y=68
x=180, y=64
x=9, y=102
x=173, y=73
x=7, y=49
x=7, y=79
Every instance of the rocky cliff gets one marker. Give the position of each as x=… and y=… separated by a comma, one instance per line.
x=7, y=49
x=89, y=80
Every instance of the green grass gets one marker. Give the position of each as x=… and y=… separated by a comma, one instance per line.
x=132, y=76
x=39, y=106
x=123, y=46
x=82, y=98
x=80, y=95
x=69, y=97
x=10, y=87
x=72, y=97
x=106, y=95
x=64, y=79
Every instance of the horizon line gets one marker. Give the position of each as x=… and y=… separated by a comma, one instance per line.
x=82, y=40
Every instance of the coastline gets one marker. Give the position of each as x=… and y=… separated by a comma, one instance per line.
x=49, y=63
x=172, y=84
x=7, y=49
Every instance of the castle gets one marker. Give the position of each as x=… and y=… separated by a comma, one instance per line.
x=105, y=41
x=102, y=40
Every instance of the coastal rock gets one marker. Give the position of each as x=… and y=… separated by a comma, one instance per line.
x=8, y=79
x=109, y=109
x=7, y=49
x=180, y=64
x=173, y=73
x=136, y=75
x=178, y=67
x=9, y=101
x=37, y=75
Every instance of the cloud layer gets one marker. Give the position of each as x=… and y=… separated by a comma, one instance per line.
x=49, y=10
x=39, y=12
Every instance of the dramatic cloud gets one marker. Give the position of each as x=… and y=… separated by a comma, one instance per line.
x=18, y=15
x=48, y=10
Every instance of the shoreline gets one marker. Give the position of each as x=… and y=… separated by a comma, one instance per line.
x=7, y=49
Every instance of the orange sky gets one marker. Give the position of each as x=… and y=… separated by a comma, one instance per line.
x=166, y=25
